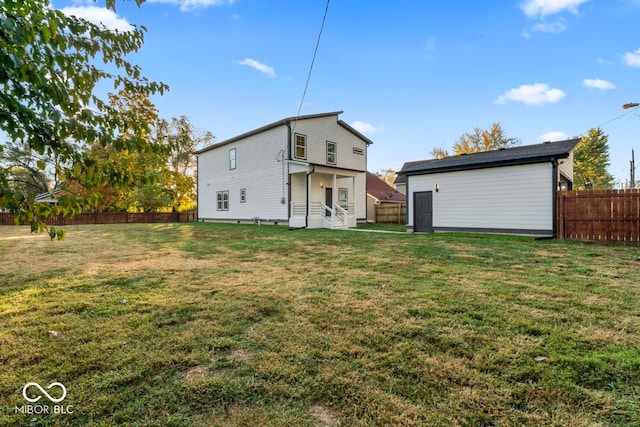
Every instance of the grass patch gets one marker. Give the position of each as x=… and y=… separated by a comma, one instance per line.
x=225, y=324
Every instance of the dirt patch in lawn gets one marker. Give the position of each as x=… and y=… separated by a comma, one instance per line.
x=324, y=417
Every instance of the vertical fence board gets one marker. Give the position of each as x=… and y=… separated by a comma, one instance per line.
x=601, y=216
x=87, y=218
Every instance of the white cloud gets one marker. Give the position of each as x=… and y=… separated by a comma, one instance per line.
x=598, y=84
x=553, y=27
x=553, y=136
x=99, y=15
x=535, y=94
x=632, y=59
x=541, y=8
x=366, y=128
x=263, y=68
x=189, y=5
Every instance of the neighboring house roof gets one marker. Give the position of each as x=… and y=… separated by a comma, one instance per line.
x=524, y=154
x=381, y=190
x=48, y=197
x=286, y=121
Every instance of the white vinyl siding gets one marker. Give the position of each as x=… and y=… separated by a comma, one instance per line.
x=259, y=173
x=565, y=167
x=320, y=130
x=268, y=180
x=511, y=197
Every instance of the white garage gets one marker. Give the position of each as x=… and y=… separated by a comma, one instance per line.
x=510, y=190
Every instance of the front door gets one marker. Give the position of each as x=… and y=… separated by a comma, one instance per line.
x=328, y=199
x=423, y=212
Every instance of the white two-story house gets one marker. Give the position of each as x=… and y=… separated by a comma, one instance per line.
x=308, y=171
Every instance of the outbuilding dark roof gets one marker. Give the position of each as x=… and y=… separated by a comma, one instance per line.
x=286, y=121
x=525, y=154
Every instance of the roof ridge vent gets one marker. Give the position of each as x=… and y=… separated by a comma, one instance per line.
x=547, y=142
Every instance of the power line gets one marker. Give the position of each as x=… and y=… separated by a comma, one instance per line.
x=313, y=60
x=611, y=120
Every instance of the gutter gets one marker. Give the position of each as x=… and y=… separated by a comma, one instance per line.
x=554, y=192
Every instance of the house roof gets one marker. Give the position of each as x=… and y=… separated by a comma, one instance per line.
x=381, y=190
x=525, y=154
x=402, y=179
x=286, y=121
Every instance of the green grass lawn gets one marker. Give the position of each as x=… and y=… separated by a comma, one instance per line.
x=246, y=325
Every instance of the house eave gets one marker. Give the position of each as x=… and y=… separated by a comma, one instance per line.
x=265, y=128
x=510, y=162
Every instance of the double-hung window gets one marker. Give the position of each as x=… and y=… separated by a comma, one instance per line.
x=331, y=153
x=232, y=158
x=343, y=198
x=222, y=200
x=300, y=149
x=243, y=195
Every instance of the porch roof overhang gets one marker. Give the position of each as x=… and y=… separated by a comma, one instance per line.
x=300, y=167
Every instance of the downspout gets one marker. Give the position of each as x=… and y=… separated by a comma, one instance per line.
x=287, y=156
x=197, y=185
x=554, y=163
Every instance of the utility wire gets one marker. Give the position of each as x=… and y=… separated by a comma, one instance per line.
x=633, y=110
x=313, y=60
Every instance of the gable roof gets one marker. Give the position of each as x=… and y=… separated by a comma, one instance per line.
x=286, y=121
x=381, y=190
x=525, y=154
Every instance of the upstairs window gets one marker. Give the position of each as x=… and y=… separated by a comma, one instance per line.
x=331, y=153
x=243, y=195
x=232, y=158
x=300, y=147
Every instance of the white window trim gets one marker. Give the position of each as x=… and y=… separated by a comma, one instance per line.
x=295, y=146
x=346, y=200
x=335, y=152
x=222, y=200
x=232, y=159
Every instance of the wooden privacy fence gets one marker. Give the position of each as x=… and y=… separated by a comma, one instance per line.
x=391, y=213
x=110, y=218
x=599, y=215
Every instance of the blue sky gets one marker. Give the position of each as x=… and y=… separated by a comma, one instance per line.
x=411, y=75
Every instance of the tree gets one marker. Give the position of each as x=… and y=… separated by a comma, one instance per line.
x=387, y=175
x=590, y=162
x=28, y=173
x=48, y=78
x=439, y=153
x=484, y=140
x=184, y=139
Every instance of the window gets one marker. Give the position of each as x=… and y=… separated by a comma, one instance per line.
x=223, y=200
x=343, y=198
x=243, y=195
x=301, y=146
x=331, y=153
x=232, y=158
x=358, y=151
